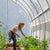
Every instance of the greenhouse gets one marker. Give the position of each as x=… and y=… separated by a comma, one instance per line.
x=28, y=21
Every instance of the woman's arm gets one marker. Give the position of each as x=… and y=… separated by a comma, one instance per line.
x=22, y=33
x=20, y=29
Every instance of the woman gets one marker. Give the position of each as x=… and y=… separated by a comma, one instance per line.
x=13, y=33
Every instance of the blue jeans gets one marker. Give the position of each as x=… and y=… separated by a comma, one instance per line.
x=14, y=41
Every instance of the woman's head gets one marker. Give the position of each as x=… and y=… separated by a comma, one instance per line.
x=21, y=25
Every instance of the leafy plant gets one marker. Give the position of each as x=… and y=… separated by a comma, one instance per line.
x=2, y=41
x=2, y=37
x=29, y=43
x=44, y=44
x=32, y=43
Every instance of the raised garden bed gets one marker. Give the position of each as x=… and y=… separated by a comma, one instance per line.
x=10, y=47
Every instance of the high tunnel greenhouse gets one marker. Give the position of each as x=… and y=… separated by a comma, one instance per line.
x=34, y=13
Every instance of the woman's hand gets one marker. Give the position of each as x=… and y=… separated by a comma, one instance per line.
x=25, y=37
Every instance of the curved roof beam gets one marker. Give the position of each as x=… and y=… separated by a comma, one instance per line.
x=34, y=6
x=24, y=6
x=29, y=6
x=42, y=10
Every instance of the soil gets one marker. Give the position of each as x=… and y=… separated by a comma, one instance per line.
x=11, y=45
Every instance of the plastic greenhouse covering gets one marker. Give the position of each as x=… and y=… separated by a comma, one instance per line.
x=34, y=13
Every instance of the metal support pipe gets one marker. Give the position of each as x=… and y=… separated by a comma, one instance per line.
x=41, y=14
x=7, y=19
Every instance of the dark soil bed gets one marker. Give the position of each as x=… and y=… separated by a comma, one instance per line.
x=10, y=47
